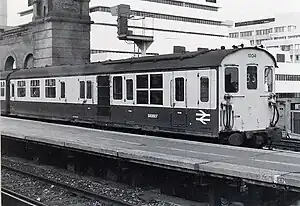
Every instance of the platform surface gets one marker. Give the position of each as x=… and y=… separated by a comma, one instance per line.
x=275, y=167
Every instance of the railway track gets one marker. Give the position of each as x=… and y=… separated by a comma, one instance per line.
x=106, y=200
x=10, y=197
x=288, y=144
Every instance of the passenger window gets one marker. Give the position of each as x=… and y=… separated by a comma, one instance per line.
x=156, y=97
x=231, y=80
x=156, y=81
x=251, y=77
x=50, y=88
x=117, y=87
x=35, y=88
x=13, y=90
x=204, y=89
x=269, y=79
x=89, y=90
x=82, y=90
x=142, y=81
x=62, y=90
x=2, y=89
x=21, y=88
x=179, y=89
x=129, y=89
x=142, y=97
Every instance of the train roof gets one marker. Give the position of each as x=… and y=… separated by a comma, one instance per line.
x=198, y=59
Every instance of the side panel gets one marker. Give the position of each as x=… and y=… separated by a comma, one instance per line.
x=202, y=115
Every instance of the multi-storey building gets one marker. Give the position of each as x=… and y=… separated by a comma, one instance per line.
x=189, y=23
x=282, y=31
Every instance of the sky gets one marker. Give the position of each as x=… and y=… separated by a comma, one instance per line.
x=235, y=10
x=240, y=10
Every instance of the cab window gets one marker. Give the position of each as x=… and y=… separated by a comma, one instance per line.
x=251, y=77
x=269, y=79
x=231, y=79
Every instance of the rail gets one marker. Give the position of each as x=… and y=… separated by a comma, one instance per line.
x=89, y=194
x=288, y=144
x=10, y=197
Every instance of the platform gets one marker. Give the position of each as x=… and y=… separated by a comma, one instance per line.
x=261, y=166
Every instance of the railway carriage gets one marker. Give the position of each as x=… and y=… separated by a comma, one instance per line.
x=226, y=94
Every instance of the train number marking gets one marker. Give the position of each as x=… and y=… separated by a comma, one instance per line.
x=152, y=116
x=251, y=55
x=202, y=117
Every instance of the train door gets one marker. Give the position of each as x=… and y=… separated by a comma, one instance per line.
x=129, y=80
x=103, y=91
x=178, y=96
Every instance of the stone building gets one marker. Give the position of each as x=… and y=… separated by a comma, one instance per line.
x=59, y=34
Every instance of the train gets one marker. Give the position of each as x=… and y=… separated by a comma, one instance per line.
x=224, y=94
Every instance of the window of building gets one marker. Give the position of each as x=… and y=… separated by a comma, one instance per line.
x=2, y=89
x=62, y=90
x=89, y=89
x=204, y=89
x=81, y=90
x=117, y=88
x=297, y=57
x=280, y=57
x=286, y=77
x=269, y=78
x=21, y=88
x=163, y=16
x=50, y=88
x=251, y=77
x=231, y=80
x=35, y=88
x=179, y=89
x=129, y=89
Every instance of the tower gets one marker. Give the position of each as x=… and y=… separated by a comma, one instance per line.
x=61, y=32
x=3, y=12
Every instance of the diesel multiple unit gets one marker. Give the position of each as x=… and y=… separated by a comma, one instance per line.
x=224, y=93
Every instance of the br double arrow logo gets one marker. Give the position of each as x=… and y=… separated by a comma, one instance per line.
x=202, y=117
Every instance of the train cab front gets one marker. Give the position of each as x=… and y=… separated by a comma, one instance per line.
x=248, y=111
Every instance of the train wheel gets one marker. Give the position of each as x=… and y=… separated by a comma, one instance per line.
x=236, y=139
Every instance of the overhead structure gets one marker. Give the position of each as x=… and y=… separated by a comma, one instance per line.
x=123, y=12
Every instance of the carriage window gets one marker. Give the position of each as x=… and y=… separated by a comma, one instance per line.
x=35, y=88
x=156, y=89
x=251, y=77
x=13, y=90
x=81, y=90
x=50, y=88
x=204, y=89
x=269, y=79
x=142, y=81
x=21, y=88
x=2, y=89
x=62, y=90
x=129, y=89
x=156, y=97
x=142, y=97
x=231, y=79
x=179, y=89
x=156, y=81
x=117, y=87
x=89, y=90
